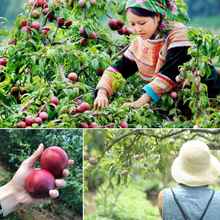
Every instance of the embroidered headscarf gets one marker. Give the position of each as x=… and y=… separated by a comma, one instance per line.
x=167, y=8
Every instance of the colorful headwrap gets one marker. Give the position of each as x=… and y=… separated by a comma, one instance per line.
x=167, y=8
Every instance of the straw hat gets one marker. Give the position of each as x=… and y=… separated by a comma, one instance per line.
x=195, y=166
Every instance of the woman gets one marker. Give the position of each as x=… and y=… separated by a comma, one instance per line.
x=194, y=170
x=13, y=194
x=158, y=50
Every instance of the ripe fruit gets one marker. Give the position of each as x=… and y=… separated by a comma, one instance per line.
x=93, y=36
x=111, y=125
x=21, y=124
x=40, y=3
x=39, y=182
x=43, y=116
x=26, y=29
x=82, y=3
x=72, y=76
x=29, y=120
x=83, y=41
x=115, y=24
x=45, y=30
x=124, y=31
x=3, y=61
x=173, y=95
x=68, y=23
x=60, y=21
x=23, y=23
x=45, y=11
x=120, y=31
x=36, y=25
x=84, y=106
x=50, y=16
x=83, y=33
x=123, y=124
x=45, y=5
x=54, y=100
x=55, y=160
x=12, y=42
x=83, y=125
x=38, y=120
x=127, y=31
x=93, y=125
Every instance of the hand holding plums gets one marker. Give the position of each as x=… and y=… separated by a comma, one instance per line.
x=31, y=184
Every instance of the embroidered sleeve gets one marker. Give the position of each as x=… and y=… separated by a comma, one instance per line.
x=178, y=37
x=165, y=80
x=111, y=80
x=115, y=75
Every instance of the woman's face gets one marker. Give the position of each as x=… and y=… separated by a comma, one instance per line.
x=145, y=27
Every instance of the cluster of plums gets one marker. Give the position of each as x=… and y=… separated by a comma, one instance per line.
x=41, y=180
x=118, y=25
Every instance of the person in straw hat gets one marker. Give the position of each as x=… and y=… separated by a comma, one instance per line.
x=159, y=47
x=194, y=170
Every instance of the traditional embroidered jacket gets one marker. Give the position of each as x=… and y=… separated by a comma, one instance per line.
x=156, y=61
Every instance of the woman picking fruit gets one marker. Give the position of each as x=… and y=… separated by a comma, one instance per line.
x=14, y=193
x=156, y=53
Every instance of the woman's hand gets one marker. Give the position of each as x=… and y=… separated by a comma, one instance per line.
x=101, y=100
x=142, y=101
x=18, y=181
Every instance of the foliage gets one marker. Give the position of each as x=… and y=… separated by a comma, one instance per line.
x=17, y=145
x=38, y=66
x=118, y=163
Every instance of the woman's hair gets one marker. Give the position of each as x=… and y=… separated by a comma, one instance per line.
x=141, y=12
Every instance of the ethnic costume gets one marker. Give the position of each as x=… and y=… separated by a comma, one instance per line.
x=157, y=61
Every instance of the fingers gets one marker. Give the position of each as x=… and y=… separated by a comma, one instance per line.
x=31, y=160
x=71, y=162
x=95, y=104
x=66, y=172
x=60, y=183
x=100, y=103
x=54, y=193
